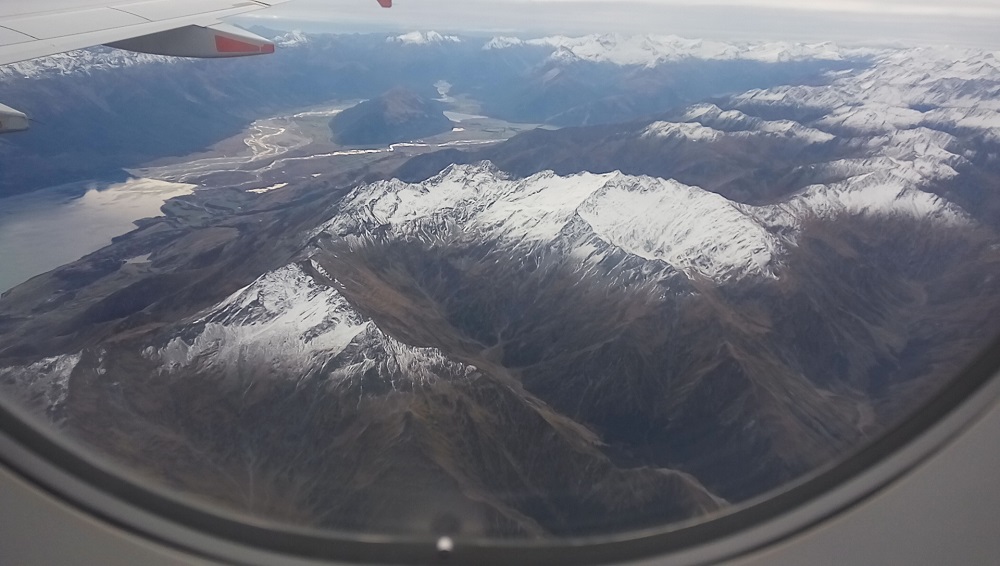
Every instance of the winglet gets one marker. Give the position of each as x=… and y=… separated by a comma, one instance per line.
x=217, y=40
x=385, y=3
x=12, y=120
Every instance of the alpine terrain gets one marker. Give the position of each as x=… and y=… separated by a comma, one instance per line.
x=609, y=326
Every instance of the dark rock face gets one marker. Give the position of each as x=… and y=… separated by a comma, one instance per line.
x=397, y=116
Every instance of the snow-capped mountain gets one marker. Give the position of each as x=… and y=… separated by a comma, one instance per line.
x=423, y=38
x=581, y=215
x=585, y=215
x=900, y=91
x=43, y=384
x=80, y=62
x=883, y=139
x=292, y=39
x=124, y=96
x=736, y=122
x=502, y=42
x=292, y=322
x=652, y=50
x=283, y=319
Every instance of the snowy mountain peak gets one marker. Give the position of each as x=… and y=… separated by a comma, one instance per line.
x=708, y=123
x=652, y=50
x=734, y=121
x=290, y=322
x=284, y=318
x=423, y=38
x=688, y=130
x=291, y=39
x=502, y=42
x=658, y=220
x=80, y=62
x=679, y=227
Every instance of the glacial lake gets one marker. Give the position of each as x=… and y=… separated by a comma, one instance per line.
x=52, y=227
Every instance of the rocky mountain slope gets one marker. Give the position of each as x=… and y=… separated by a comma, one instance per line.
x=397, y=116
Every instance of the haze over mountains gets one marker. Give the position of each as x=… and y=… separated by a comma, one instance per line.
x=95, y=113
x=735, y=265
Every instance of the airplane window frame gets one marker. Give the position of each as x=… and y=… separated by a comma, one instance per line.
x=38, y=453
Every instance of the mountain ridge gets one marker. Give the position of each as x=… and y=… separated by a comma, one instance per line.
x=398, y=115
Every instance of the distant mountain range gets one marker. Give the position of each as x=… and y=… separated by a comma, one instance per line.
x=100, y=110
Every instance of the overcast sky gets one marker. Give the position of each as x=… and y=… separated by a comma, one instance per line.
x=960, y=22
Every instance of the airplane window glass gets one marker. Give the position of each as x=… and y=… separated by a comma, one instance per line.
x=538, y=271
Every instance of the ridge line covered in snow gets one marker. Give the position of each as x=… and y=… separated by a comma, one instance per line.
x=423, y=38
x=651, y=50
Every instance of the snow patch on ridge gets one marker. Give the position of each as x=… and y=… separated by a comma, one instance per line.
x=652, y=50
x=736, y=122
x=877, y=195
x=423, y=38
x=286, y=323
x=291, y=39
x=689, y=228
x=686, y=227
x=47, y=379
x=687, y=130
x=284, y=319
x=81, y=62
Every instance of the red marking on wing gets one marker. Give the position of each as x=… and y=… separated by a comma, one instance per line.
x=385, y=3
x=229, y=45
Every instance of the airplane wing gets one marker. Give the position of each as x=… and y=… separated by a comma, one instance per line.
x=184, y=28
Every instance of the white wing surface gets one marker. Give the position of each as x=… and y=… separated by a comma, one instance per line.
x=183, y=28
x=34, y=28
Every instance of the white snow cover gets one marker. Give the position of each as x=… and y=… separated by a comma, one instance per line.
x=903, y=89
x=79, y=62
x=268, y=189
x=286, y=323
x=417, y=365
x=689, y=228
x=423, y=38
x=902, y=109
x=688, y=130
x=877, y=195
x=734, y=121
x=291, y=39
x=284, y=319
x=692, y=230
x=502, y=42
x=651, y=50
x=48, y=378
x=702, y=123
x=686, y=227
x=880, y=194
x=872, y=117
